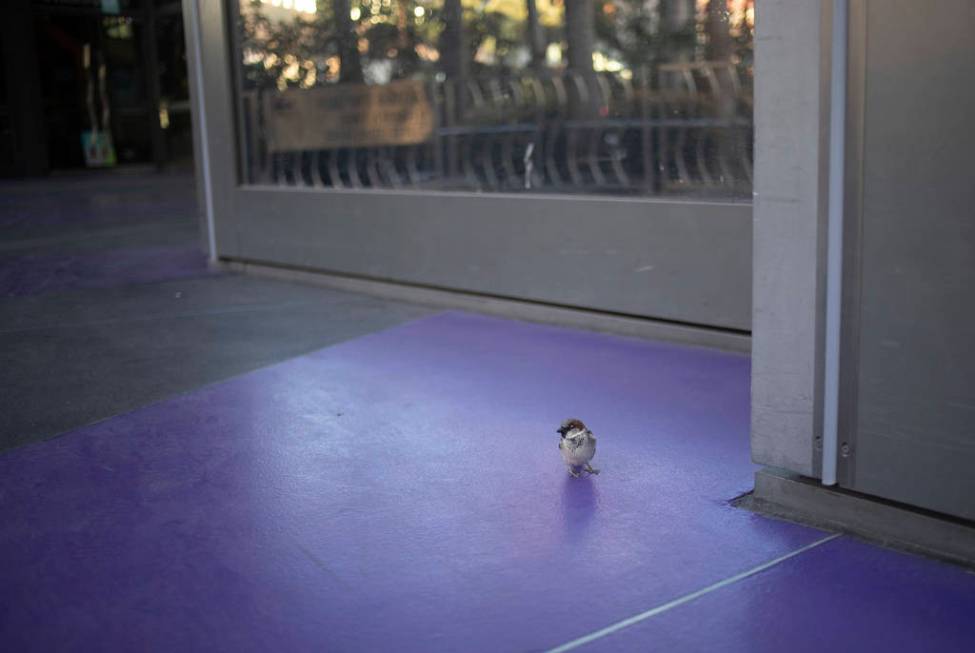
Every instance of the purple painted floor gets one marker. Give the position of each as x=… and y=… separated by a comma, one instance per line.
x=403, y=491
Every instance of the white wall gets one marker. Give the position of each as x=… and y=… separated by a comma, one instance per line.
x=791, y=119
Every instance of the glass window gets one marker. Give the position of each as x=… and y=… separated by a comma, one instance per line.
x=617, y=97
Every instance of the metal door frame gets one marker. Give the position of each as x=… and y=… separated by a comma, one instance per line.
x=849, y=376
x=677, y=261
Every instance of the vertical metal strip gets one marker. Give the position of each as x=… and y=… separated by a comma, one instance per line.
x=191, y=15
x=834, y=252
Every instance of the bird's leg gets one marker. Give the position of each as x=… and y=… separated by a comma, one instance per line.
x=573, y=472
x=592, y=470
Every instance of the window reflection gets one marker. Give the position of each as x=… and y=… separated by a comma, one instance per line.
x=626, y=97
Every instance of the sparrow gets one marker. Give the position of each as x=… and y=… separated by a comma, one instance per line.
x=578, y=446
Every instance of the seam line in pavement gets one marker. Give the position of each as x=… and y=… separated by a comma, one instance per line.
x=687, y=598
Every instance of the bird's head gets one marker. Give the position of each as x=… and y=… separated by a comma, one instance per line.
x=571, y=424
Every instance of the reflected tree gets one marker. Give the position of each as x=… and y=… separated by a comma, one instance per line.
x=375, y=41
x=719, y=44
x=350, y=64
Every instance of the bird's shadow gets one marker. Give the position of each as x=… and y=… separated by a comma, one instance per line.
x=580, y=501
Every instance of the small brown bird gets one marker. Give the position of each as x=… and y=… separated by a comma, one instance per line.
x=578, y=446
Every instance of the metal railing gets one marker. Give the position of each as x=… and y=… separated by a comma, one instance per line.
x=686, y=129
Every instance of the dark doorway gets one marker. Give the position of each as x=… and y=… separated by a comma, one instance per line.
x=74, y=96
x=69, y=65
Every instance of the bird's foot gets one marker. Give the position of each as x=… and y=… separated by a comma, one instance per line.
x=591, y=469
x=574, y=473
